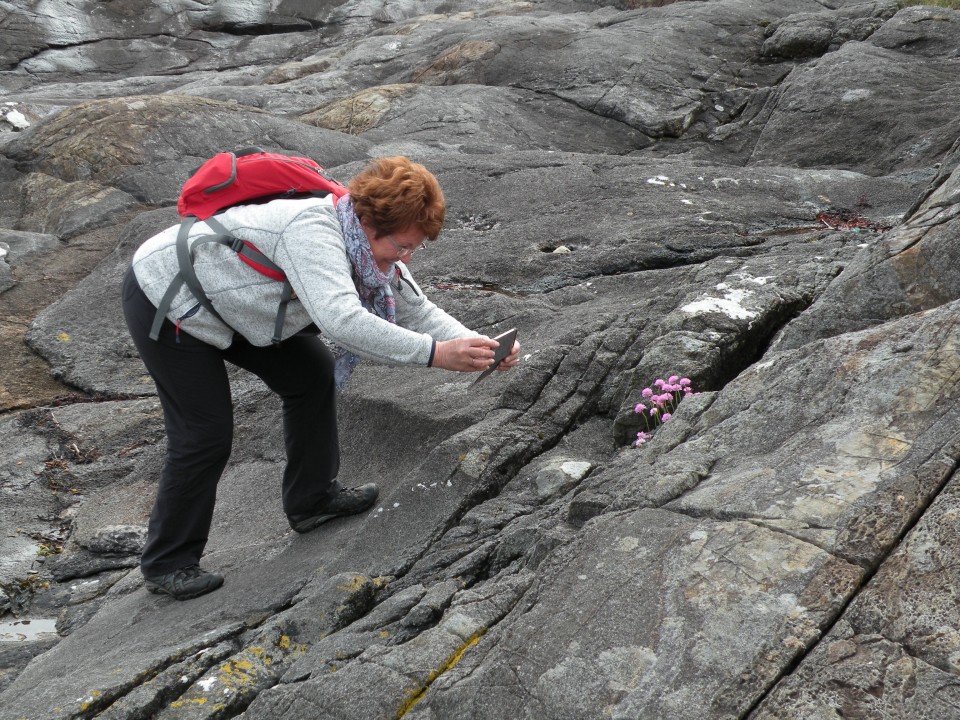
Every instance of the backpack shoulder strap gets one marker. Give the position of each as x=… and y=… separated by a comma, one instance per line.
x=187, y=275
x=164, y=306
x=285, y=296
x=252, y=256
x=185, y=260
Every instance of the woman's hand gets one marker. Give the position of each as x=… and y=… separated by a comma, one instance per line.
x=472, y=354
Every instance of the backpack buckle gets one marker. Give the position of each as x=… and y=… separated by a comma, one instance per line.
x=236, y=244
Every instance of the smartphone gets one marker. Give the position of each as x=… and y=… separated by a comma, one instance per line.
x=506, y=341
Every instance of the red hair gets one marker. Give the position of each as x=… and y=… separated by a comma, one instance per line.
x=394, y=193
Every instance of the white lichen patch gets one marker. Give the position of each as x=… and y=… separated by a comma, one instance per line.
x=658, y=180
x=17, y=119
x=576, y=470
x=475, y=462
x=625, y=666
x=206, y=683
x=717, y=182
x=856, y=470
x=791, y=607
x=731, y=304
x=856, y=94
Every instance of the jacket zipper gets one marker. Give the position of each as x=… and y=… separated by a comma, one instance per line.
x=188, y=314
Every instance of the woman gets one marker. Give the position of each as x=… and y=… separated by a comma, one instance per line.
x=344, y=262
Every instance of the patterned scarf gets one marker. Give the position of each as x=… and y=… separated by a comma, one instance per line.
x=372, y=284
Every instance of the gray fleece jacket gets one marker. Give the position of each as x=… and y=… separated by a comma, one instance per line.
x=304, y=238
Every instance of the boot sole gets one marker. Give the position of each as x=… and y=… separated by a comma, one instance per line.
x=313, y=523
x=316, y=521
x=160, y=590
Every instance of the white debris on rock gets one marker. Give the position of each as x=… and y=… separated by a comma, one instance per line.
x=662, y=180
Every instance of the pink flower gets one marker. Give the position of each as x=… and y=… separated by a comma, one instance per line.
x=639, y=408
x=666, y=417
x=666, y=397
x=659, y=383
x=654, y=410
x=672, y=379
x=684, y=381
x=642, y=437
x=647, y=392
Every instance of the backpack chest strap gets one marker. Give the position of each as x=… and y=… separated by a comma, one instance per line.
x=247, y=252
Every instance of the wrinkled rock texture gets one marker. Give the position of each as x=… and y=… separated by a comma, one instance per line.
x=761, y=197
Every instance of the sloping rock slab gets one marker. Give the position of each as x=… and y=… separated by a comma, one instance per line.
x=864, y=676
x=897, y=651
x=650, y=614
x=411, y=119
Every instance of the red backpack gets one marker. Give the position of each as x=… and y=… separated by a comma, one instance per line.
x=235, y=178
x=229, y=179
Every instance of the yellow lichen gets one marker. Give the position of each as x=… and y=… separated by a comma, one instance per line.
x=183, y=701
x=237, y=672
x=238, y=666
x=413, y=696
x=88, y=701
x=355, y=585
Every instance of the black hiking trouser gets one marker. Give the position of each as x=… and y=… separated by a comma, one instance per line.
x=191, y=380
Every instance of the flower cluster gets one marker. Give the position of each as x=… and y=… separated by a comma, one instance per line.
x=658, y=405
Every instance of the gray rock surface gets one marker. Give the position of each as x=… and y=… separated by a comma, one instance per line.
x=761, y=198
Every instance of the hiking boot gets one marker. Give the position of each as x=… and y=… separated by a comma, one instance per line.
x=185, y=583
x=349, y=501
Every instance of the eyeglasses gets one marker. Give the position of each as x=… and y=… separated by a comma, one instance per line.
x=405, y=251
